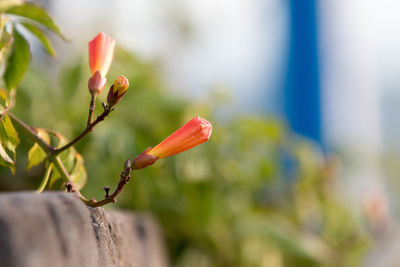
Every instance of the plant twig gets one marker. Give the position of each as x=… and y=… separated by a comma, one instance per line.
x=56, y=161
x=91, y=109
x=87, y=130
x=64, y=173
x=50, y=151
x=125, y=176
x=30, y=132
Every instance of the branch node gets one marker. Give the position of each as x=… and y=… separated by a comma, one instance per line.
x=127, y=164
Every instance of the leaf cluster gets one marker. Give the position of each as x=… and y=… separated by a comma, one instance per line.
x=18, y=22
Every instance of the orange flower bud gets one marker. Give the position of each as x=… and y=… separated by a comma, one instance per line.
x=193, y=133
x=117, y=90
x=101, y=53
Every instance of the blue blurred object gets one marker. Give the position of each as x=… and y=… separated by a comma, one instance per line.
x=302, y=89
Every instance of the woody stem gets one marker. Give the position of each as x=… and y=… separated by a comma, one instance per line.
x=88, y=129
x=91, y=109
x=125, y=176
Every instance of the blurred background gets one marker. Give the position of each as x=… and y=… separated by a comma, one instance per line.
x=302, y=167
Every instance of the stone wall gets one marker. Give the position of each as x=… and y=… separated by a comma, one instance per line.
x=56, y=229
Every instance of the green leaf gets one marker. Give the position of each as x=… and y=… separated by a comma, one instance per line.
x=7, y=131
x=41, y=37
x=36, y=154
x=3, y=98
x=8, y=141
x=67, y=157
x=17, y=62
x=54, y=177
x=36, y=13
x=45, y=178
x=5, y=37
x=5, y=41
x=5, y=159
x=78, y=174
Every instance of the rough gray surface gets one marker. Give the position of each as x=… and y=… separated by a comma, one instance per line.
x=56, y=229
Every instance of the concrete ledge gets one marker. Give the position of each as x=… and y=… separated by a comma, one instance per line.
x=56, y=229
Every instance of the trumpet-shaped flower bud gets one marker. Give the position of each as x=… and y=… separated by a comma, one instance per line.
x=101, y=53
x=193, y=133
x=117, y=90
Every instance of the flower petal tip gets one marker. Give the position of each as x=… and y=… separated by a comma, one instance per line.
x=206, y=127
x=101, y=53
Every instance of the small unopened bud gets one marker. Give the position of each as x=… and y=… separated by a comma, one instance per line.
x=144, y=160
x=96, y=83
x=127, y=164
x=117, y=90
x=107, y=189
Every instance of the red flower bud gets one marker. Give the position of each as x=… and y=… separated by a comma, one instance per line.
x=117, y=90
x=101, y=53
x=193, y=133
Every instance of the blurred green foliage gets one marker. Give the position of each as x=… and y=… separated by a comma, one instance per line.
x=19, y=22
x=253, y=195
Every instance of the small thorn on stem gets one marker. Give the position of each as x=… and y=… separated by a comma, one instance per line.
x=107, y=189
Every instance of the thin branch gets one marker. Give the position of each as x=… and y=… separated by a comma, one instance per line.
x=64, y=174
x=88, y=129
x=50, y=151
x=91, y=109
x=125, y=176
x=30, y=132
x=56, y=161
